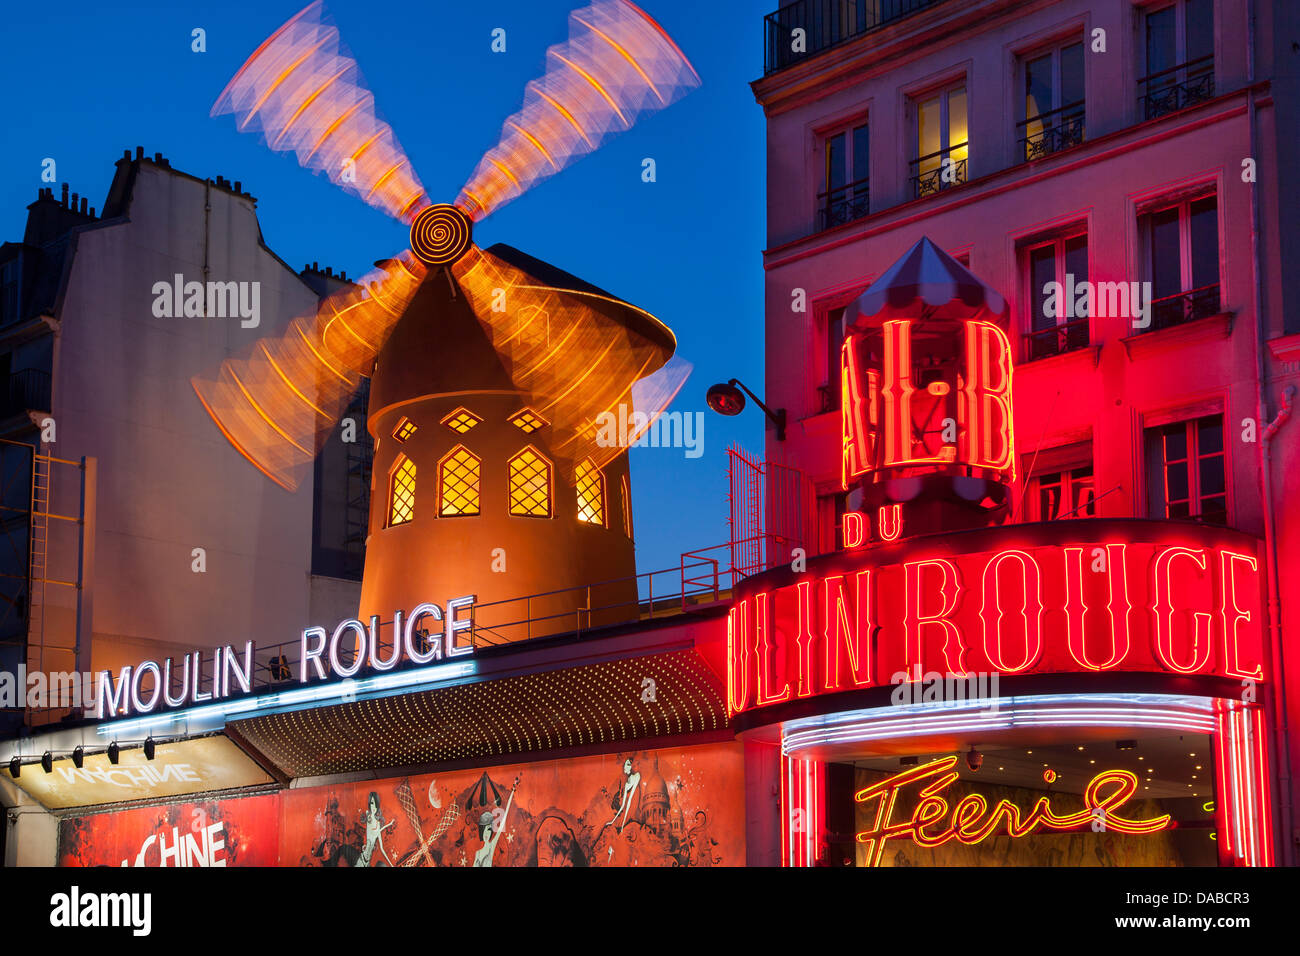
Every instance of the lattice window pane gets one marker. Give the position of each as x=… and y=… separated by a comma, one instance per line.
x=405, y=429
x=528, y=421
x=401, y=507
x=591, y=493
x=530, y=485
x=460, y=484
x=461, y=420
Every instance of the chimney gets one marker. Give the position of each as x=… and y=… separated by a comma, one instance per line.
x=157, y=159
x=139, y=152
x=237, y=185
x=73, y=206
x=85, y=206
x=126, y=154
x=65, y=195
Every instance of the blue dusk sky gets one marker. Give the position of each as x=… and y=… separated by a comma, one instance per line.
x=90, y=79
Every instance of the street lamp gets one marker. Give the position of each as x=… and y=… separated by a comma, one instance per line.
x=726, y=399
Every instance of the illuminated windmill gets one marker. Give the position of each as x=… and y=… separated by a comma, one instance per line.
x=926, y=376
x=490, y=370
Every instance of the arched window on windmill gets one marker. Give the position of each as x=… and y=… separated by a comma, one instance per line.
x=458, y=483
x=590, y=482
x=401, y=491
x=530, y=484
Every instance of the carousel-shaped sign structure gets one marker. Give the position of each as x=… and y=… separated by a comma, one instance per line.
x=926, y=376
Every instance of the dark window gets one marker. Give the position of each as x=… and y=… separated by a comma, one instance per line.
x=1186, y=470
x=1179, y=47
x=847, y=195
x=1058, y=316
x=1064, y=494
x=1054, y=102
x=830, y=392
x=1183, y=261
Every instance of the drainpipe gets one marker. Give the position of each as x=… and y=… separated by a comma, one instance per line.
x=1281, y=743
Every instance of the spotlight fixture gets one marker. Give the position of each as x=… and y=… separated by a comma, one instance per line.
x=726, y=399
x=1126, y=745
x=114, y=753
x=78, y=756
x=974, y=759
x=907, y=761
x=15, y=766
x=149, y=748
x=47, y=762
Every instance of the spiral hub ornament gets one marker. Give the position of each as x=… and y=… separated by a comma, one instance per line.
x=441, y=234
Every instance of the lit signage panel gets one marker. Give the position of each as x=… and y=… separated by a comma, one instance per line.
x=178, y=768
x=214, y=833
x=1086, y=596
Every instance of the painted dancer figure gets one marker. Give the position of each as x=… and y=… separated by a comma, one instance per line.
x=375, y=827
x=631, y=781
x=491, y=828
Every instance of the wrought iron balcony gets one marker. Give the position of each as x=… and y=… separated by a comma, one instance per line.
x=845, y=204
x=1052, y=132
x=27, y=390
x=1185, y=307
x=1066, y=337
x=1176, y=88
x=948, y=173
x=826, y=23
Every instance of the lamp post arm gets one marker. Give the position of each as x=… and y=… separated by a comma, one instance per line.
x=777, y=417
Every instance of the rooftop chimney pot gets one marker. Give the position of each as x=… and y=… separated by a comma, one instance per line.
x=139, y=152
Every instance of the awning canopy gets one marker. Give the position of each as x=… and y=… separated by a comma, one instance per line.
x=927, y=283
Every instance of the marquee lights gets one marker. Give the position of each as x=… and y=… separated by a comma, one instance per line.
x=854, y=619
x=934, y=823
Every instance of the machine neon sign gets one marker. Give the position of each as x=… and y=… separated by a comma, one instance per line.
x=854, y=620
x=934, y=822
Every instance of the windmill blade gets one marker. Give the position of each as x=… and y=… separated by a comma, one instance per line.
x=278, y=401
x=304, y=92
x=577, y=362
x=618, y=64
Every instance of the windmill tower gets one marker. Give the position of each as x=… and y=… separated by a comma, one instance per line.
x=490, y=370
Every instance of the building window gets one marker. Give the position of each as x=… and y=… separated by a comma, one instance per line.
x=829, y=393
x=846, y=197
x=941, y=146
x=530, y=484
x=1187, y=470
x=1182, y=245
x=10, y=289
x=1179, y=46
x=404, y=429
x=1063, y=494
x=591, y=493
x=1054, y=101
x=401, y=494
x=461, y=420
x=1058, y=317
x=458, y=483
x=527, y=421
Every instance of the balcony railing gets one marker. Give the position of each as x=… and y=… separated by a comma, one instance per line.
x=1176, y=88
x=948, y=173
x=1052, y=132
x=1185, y=307
x=27, y=390
x=826, y=23
x=1066, y=337
x=835, y=207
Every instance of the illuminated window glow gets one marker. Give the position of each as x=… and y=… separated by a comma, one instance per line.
x=458, y=476
x=401, y=499
x=405, y=429
x=461, y=420
x=530, y=485
x=591, y=493
x=527, y=421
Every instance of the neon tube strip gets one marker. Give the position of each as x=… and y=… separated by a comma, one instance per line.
x=379, y=685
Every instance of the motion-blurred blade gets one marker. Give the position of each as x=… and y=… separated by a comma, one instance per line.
x=566, y=350
x=652, y=395
x=278, y=401
x=617, y=65
x=303, y=90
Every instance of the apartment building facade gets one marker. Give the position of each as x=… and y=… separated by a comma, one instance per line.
x=1118, y=172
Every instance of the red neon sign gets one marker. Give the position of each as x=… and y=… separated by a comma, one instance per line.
x=1016, y=602
x=934, y=822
